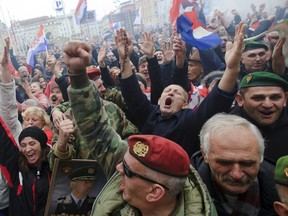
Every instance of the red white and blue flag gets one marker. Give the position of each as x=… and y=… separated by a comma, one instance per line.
x=190, y=23
x=39, y=45
x=81, y=11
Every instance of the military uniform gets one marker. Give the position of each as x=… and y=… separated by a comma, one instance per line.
x=67, y=206
x=78, y=146
x=108, y=149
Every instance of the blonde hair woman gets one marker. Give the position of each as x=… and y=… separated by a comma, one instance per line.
x=36, y=116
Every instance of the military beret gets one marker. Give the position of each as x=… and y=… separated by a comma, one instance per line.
x=93, y=72
x=281, y=171
x=263, y=79
x=255, y=45
x=87, y=173
x=160, y=154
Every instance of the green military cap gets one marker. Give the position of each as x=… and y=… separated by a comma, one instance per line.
x=263, y=79
x=83, y=174
x=254, y=45
x=281, y=171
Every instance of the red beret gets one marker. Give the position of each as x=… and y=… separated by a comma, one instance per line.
x=93, y=72
x=160, y=154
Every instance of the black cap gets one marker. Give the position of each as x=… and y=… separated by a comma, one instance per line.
x=83, y=174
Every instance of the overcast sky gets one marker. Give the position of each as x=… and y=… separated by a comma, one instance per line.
x=26, y=9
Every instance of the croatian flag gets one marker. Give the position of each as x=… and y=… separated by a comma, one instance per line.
x=81, y=11
x=191, y=26
x=39, y=45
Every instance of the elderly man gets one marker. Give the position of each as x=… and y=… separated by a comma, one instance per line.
x=262, y=101
x=281, y=179
x=144, y=184
x=238, y=179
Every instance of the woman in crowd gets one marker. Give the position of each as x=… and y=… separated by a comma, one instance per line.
x=36, y=116
x=26, y=170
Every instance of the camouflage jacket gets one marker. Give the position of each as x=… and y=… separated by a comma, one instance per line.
x=194, y=200
x=107, y=147
x=78, y=147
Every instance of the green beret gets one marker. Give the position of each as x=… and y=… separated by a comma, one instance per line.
x=281, y=171
x=83, y=174
x=263, y=79
x=255, y=45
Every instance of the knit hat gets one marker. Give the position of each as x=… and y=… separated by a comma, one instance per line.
x=281, y=171
x=83, y=174
x=263, y=79
x=35, y=133
x=160, y=154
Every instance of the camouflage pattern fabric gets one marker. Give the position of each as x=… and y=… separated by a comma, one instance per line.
x=104, y=143
x=78, y=146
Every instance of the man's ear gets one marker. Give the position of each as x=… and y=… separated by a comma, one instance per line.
x=286, y=97
x=204, y=155
x=156, y=193
x=240, y=100
x=185, y=106
x=281, y=208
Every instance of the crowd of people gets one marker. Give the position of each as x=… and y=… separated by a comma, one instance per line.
x=175, y=130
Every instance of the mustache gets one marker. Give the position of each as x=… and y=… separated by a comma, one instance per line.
x=243, y=181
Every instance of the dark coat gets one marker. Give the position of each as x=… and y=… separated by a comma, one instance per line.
x=275, y=135
x=268, y=193
x=182, y=127
x=66, y=205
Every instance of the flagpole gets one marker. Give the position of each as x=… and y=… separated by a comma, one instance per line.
x=4, y=20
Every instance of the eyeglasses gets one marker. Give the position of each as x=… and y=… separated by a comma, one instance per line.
x=129, y=173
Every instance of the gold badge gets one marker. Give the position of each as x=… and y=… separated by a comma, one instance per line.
x=248, y=78
x=140, y=149
x=286, y=171
x=67, y=169
x=91, y=170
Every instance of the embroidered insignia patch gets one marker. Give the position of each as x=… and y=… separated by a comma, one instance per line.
x=140, y=149
x=248, y=78
x=286, y=172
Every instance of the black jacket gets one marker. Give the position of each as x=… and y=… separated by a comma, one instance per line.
x=268, y=193
x=275, y=135
x=28, y=191
x=182, y=127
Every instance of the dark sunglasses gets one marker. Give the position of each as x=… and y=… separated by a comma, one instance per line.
x=129, y=173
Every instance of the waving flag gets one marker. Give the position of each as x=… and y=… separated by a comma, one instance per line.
x=81, y=11
x=116, y=25
x=137, y=20
x=39, y=45
x=190, y=23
